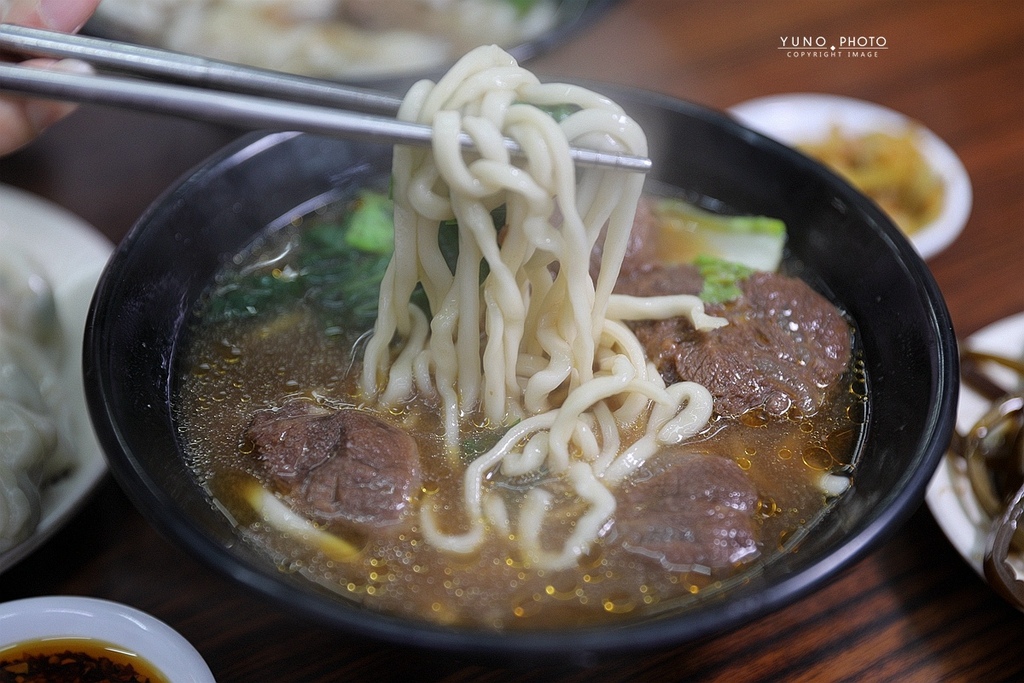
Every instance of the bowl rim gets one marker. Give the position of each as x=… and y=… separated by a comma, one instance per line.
x=625, y=637
x=66, y=616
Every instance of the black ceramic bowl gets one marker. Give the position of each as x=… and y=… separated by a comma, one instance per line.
x=838, y=241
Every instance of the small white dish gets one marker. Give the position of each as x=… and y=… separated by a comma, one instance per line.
x=66, y=617
x=949, y=496
x=807, y=117
x=72, y=253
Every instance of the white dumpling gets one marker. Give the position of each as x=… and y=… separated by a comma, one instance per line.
x=27, y=436
x=27, y=305
x=26, y=439
x=19, y=507
x=31, y=353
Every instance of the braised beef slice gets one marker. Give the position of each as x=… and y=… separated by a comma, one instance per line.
x=694, y=511
x=338, y=465
x=784, y=346
x=649, y=280
x=641, y=249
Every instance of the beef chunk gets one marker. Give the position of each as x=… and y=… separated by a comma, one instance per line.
x=343, y=465
x=660, y=280
x=784, y=346
x=693, y=511
x=641, y=248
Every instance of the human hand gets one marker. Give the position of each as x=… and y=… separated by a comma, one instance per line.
x=23, y=118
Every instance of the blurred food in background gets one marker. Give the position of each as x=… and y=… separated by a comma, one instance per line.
x=912, y=174
x=337, y=39
x=889, y=168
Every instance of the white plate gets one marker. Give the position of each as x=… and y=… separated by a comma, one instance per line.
x=949, y=495
x=802, y=117
x=110, y=622
x=73, y=254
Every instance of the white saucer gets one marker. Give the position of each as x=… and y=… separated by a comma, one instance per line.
x=72, y=253
x=950, y=497
x=34, y=619
x=801, y=117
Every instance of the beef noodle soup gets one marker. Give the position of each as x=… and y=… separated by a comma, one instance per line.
x=519, y=413
x=259, y=343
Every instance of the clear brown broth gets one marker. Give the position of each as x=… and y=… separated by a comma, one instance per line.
x=231, y=369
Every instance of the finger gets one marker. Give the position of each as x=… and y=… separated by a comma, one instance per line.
x=56, y=15
x=23, y=118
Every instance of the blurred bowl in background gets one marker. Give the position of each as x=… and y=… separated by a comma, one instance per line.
x=385, y=44
x=883, y=152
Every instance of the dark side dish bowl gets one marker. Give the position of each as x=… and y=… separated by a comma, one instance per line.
x=838, y=242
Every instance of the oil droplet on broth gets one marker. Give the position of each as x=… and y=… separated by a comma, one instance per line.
x=289, y=566
x=767, y=507
x=754, y=418
x=818, y=458
x=784, y=538
x=566, y=589
x=618, y=604
x=859, y=386
x=857, y=412
x=513, y=563
x=593, y=558
x=840, y=441
x=526, y=606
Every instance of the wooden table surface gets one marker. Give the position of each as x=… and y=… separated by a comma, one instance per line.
x=910, y=610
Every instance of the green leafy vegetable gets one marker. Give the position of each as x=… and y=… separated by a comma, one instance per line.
x=523, y=6
x=244, y=297
x=336, y=264
x=371, y=227
x=448, y=239
x=448, y=244
x=721, y=279
x=475, y=445
x=559, y=111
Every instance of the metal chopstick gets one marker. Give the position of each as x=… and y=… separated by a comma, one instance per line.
x=193, y=70
x=227, y=97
